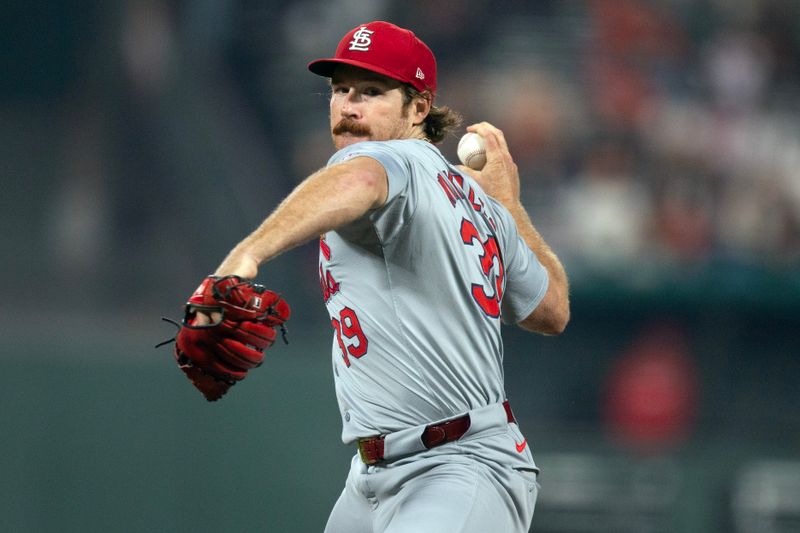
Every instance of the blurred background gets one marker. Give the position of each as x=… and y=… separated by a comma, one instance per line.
x=659, y=147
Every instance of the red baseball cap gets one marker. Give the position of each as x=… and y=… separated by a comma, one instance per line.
x=386, y=49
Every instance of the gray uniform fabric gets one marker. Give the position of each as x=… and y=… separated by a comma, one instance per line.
x=416, y=292
x=431, y=351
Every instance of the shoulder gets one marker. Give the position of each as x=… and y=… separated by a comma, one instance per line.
x=505, y=225
x=399, y=149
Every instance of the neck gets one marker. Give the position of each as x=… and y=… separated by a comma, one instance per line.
x=418, y=132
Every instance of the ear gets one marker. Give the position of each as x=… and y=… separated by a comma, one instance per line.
x=421, y=106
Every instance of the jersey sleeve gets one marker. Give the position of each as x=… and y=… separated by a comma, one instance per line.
x=401, y=198
x=392, y=160
x=526, y=279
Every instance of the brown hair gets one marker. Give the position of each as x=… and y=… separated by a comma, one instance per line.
x=440, y=121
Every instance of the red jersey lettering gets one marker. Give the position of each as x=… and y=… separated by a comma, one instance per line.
x=490, y=259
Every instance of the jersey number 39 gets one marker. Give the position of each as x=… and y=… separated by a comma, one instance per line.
x=350, y=335
x=348, y=326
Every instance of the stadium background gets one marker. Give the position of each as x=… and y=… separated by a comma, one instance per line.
x=659, y=147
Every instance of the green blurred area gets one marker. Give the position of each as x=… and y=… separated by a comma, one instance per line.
x=103, y=433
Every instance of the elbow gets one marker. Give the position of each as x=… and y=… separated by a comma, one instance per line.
x=548, y=319
x=557, y=322
x=559, y=314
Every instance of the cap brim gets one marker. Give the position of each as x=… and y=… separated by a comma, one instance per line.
x=325, y=67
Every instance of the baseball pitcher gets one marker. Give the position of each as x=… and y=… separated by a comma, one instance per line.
x=419, y=262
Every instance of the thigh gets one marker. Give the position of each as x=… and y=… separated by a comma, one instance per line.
x=352, y=512
x=460, y=496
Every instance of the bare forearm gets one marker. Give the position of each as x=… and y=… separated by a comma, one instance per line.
x=326, y=200
x=536, y=243
x=500, y=179
x=552, y=314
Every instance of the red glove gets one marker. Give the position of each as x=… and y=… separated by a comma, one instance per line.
x=215, y=356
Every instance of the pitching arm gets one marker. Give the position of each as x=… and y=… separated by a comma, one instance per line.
x=500, y=179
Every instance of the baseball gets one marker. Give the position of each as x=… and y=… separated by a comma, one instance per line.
x=471, y=151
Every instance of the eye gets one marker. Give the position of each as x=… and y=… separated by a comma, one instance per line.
x=373, y=91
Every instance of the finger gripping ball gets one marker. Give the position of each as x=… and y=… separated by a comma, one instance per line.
x=472, y=151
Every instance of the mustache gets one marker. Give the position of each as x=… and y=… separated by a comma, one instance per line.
x=352, y=127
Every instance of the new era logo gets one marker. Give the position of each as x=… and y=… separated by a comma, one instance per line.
x=420, y=75
x=361, y=39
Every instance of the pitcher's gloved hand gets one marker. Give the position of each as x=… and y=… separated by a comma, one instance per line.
x=215, y=355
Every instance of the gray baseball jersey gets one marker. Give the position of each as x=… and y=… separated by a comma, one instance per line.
x=416, y=291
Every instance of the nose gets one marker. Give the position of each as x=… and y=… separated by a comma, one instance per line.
x=349, y=107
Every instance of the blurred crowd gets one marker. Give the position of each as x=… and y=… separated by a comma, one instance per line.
x=651, y=135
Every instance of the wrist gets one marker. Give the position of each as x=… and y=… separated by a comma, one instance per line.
x=239, y=264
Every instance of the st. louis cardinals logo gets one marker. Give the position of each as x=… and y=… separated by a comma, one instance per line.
x=361, y=39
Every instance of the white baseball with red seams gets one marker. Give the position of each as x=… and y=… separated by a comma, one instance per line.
x=472, y=151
